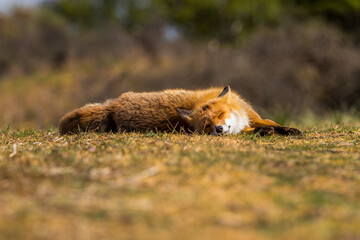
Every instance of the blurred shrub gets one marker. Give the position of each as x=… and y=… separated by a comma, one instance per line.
x=303, y=66
x=292, y=69
x=29, y=40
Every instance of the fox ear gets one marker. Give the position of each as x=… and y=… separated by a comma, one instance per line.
x=224, y=95
x=184, y=114
x=224, y=92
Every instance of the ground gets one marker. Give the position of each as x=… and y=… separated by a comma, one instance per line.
x=180, y=186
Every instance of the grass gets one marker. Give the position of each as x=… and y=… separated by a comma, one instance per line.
x=178, y=186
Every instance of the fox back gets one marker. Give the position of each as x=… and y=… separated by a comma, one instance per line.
x=212, y=111
x=159, y=111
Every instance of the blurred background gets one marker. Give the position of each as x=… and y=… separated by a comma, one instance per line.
x=289, y=58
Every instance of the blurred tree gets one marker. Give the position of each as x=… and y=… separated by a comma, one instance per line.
x=140, y=17
x=91, y=13
x=85, y=13
x=225, y=20
x=345, y=13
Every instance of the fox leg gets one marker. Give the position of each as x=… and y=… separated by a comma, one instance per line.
x=248, y=130
x=269, y=127
x=263, y=122
x=262, y=130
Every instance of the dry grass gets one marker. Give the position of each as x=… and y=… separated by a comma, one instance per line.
x=176, y=186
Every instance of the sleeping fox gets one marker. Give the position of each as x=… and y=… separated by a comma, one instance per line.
x=214, y=111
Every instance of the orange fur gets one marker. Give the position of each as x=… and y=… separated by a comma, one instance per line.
x=200, y=110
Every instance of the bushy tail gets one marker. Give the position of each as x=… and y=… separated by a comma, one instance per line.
x=92, y=117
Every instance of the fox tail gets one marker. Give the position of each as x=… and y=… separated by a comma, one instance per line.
x=92, y=117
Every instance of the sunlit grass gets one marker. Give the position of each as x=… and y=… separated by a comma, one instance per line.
x=179, y=186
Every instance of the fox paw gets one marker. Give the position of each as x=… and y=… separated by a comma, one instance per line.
x=265, y=130
x=294, y=131
x=287, y=131
x=271, y=130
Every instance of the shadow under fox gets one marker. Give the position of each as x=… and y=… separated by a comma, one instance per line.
x=210, y=111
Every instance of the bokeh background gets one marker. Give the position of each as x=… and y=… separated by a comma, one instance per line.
x=289, y=58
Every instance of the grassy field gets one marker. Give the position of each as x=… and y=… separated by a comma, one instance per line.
x=178, y=186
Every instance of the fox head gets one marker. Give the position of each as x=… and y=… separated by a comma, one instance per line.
x=213, y=117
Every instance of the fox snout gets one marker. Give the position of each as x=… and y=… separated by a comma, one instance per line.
x=219, y=129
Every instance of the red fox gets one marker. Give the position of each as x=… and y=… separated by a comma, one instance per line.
x=211, y=111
